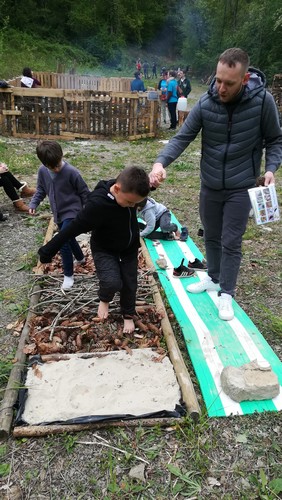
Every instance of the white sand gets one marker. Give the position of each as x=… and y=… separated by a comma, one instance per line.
x=115, y=384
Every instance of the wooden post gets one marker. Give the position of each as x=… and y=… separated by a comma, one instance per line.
x=11, y=392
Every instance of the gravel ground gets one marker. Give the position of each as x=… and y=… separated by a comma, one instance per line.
x=230, y=458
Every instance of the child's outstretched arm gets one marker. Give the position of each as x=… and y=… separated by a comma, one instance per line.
x=81, y=224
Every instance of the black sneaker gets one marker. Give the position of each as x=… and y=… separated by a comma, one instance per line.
x=198, y=265
x=3, y=217
x=182, y=271
x=184, y=234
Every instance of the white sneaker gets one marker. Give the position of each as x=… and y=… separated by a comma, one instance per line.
x=225, y=309
x=204, y=285
x=68, y=282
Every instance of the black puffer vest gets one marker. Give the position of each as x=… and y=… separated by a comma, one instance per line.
x=232, y=145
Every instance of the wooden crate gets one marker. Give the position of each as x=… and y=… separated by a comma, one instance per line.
x=69, y=114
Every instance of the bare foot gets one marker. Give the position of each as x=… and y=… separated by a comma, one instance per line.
x=103, y=310
x=128, y=326
x=177, y=235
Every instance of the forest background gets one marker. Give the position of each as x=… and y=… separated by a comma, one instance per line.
x=105, y=37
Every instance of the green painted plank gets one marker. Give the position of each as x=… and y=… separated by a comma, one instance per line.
x=226, y=343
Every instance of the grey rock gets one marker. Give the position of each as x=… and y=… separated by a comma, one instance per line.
x=138, y=472
x=250, y=382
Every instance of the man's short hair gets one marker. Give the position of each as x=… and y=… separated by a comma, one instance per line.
x=134, y=180
x=233, y=56
x=137, y=74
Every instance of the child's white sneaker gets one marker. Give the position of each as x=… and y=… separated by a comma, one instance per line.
x=67, y=283
x=204, y=285
x=225, y=309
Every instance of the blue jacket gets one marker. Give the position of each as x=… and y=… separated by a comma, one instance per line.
x=67, y=191
x=137, y=85
x=232, y=144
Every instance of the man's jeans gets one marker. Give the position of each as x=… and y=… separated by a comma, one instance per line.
x=224, y=215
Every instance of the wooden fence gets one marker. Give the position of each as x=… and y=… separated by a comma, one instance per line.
x=69, y=114
x=77, y=82
x=277, y=92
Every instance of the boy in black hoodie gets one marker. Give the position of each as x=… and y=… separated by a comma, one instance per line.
x=110, y=213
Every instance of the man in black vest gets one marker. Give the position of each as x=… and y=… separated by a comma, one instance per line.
x=238, y=118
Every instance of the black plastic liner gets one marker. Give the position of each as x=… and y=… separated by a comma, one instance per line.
x=178, y=412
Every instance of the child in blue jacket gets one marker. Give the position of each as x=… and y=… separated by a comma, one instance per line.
x=67, y=192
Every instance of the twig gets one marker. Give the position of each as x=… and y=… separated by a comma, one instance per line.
x=106, y=443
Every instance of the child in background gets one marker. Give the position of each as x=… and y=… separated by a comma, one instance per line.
x=67, y=192
x=11, y=185
x=162, y=86
x=156, y=215
x=110, y=213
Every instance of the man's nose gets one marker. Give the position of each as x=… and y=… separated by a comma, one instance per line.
x=221, y=87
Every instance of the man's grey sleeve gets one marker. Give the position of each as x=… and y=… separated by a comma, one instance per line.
x=188, y=132
x=272, y=134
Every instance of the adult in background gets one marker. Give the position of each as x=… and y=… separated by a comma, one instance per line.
x=28, y=80
x=146, y=69
x=137, y=85
x=172, y=98
x=238, y=118
x=184, y=85
x=154, y=70
x=162, y=86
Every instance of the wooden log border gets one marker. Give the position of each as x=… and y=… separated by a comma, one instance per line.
x=11, y=392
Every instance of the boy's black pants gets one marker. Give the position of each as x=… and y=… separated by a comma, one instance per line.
x=117, y=274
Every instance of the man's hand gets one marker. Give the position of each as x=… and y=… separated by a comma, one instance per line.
x=268, y=178
x=157, y=175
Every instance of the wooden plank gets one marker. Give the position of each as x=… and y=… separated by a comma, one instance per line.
x=19, y=91
x=11, y=112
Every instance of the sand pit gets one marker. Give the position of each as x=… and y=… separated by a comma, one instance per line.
x=114, y=383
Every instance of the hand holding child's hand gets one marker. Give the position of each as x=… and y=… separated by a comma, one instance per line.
x=3, y=168
x=157, y=175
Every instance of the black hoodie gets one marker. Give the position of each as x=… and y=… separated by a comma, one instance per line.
x=114, y=228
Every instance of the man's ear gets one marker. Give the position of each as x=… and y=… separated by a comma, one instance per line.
x=246, y=78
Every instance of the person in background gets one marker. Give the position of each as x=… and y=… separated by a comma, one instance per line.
x=156, y=215
x=138, y=64
x=146, y=69
x=110, y=213
x=14, y=188
x=184, y=85
x=154, y=70
x=237, y=118
x=162, y=86
x=172, y=98
x=67, y=193
x=137, y=85
x=28, y=80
